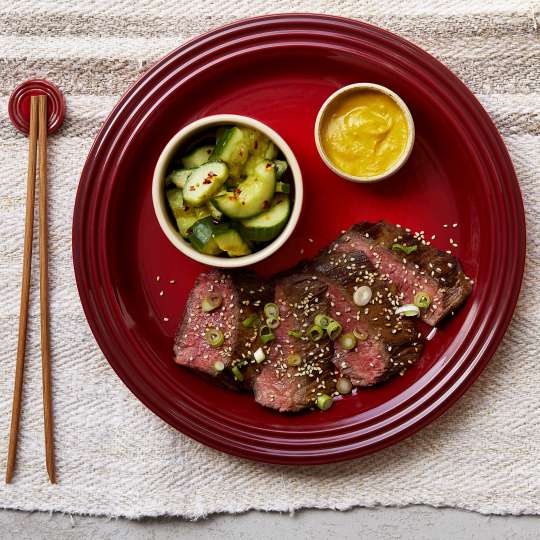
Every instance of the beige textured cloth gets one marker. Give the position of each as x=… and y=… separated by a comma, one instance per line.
x=114, y=456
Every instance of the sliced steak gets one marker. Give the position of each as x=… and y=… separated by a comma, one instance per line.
x=293, y=388
x=426, y=269
x=389, y=343
x=242, y=294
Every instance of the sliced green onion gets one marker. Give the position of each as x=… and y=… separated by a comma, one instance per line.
x=238, y=375
x=295, y=333
x=348, y=341
x=409, y=310
x=322, y=320
x=360, y=335
x=248, y=322
x=315, y=333
x=406, y=249
x=219, y=366
x=362, y=296
x=324, y=402
x=266, y=334
x=267, y=338
x=422, y=299
x=264, y=329
x=344, y=385
x=272, y=322
x=334, y=329
x=294, y=360
x=211, y=302
x=259, y=356
x=271, y=310
x=214, y=336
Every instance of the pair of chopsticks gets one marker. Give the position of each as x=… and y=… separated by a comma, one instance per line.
x=37, y=141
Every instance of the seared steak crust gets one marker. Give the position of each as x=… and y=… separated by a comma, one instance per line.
x=293, y=388
x=243, y=294
x=391, y=343
x=386, y=343
x=426, y=269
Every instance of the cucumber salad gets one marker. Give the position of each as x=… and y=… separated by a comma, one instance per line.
x=232, y=197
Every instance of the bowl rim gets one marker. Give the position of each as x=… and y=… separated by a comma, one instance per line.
x=408, y=146
x=159, y=203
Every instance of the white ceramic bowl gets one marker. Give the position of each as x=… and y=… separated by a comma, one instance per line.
x=190, y=132
x=351, y=88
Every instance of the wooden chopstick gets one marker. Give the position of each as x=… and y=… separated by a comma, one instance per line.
x=44, y=291
x=25, y=288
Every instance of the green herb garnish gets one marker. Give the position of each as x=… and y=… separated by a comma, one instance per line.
x=406, y=249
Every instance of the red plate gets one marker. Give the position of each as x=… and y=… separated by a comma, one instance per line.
x=280, y=69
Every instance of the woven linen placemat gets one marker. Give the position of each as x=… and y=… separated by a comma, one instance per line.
x=116, y=458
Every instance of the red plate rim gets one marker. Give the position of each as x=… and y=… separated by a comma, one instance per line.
x=96, y=290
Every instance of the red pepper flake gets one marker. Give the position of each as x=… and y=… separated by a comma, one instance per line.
x=207, y=181
x=266, y=204
x=256, y=145
x=191, y=188
x=269, y=165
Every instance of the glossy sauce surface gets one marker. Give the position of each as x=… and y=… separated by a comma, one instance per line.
x=364, y=133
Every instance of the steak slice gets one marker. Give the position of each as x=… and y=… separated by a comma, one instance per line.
x=424, y=270
x=293, y=388
x=391, y=343
x=243, y=294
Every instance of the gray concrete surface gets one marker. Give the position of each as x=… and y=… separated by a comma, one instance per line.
x=417, y=522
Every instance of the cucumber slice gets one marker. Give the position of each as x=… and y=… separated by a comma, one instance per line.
x=210, y=248
x=231, y=242
x=260, y=145
x=178, y=177
x=267, y=225
x=202, y=236
x=203, y=231
x=175, y=200
x=252, y=196
x=185, y=217
x=271, y=151
x=249, y=167
x=283, y=187
x=204, y=182
x=281, y=167
x=214, y=211
x=231, y=147
x=198, y=157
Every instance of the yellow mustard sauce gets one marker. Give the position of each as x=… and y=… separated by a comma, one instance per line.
x=364, y=133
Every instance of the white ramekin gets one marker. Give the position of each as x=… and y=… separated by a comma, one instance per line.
x=351, y=88
x=160, y=205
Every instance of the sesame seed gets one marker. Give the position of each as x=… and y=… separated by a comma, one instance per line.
x=161, y=293
x=157, y=278
x=166, y=319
